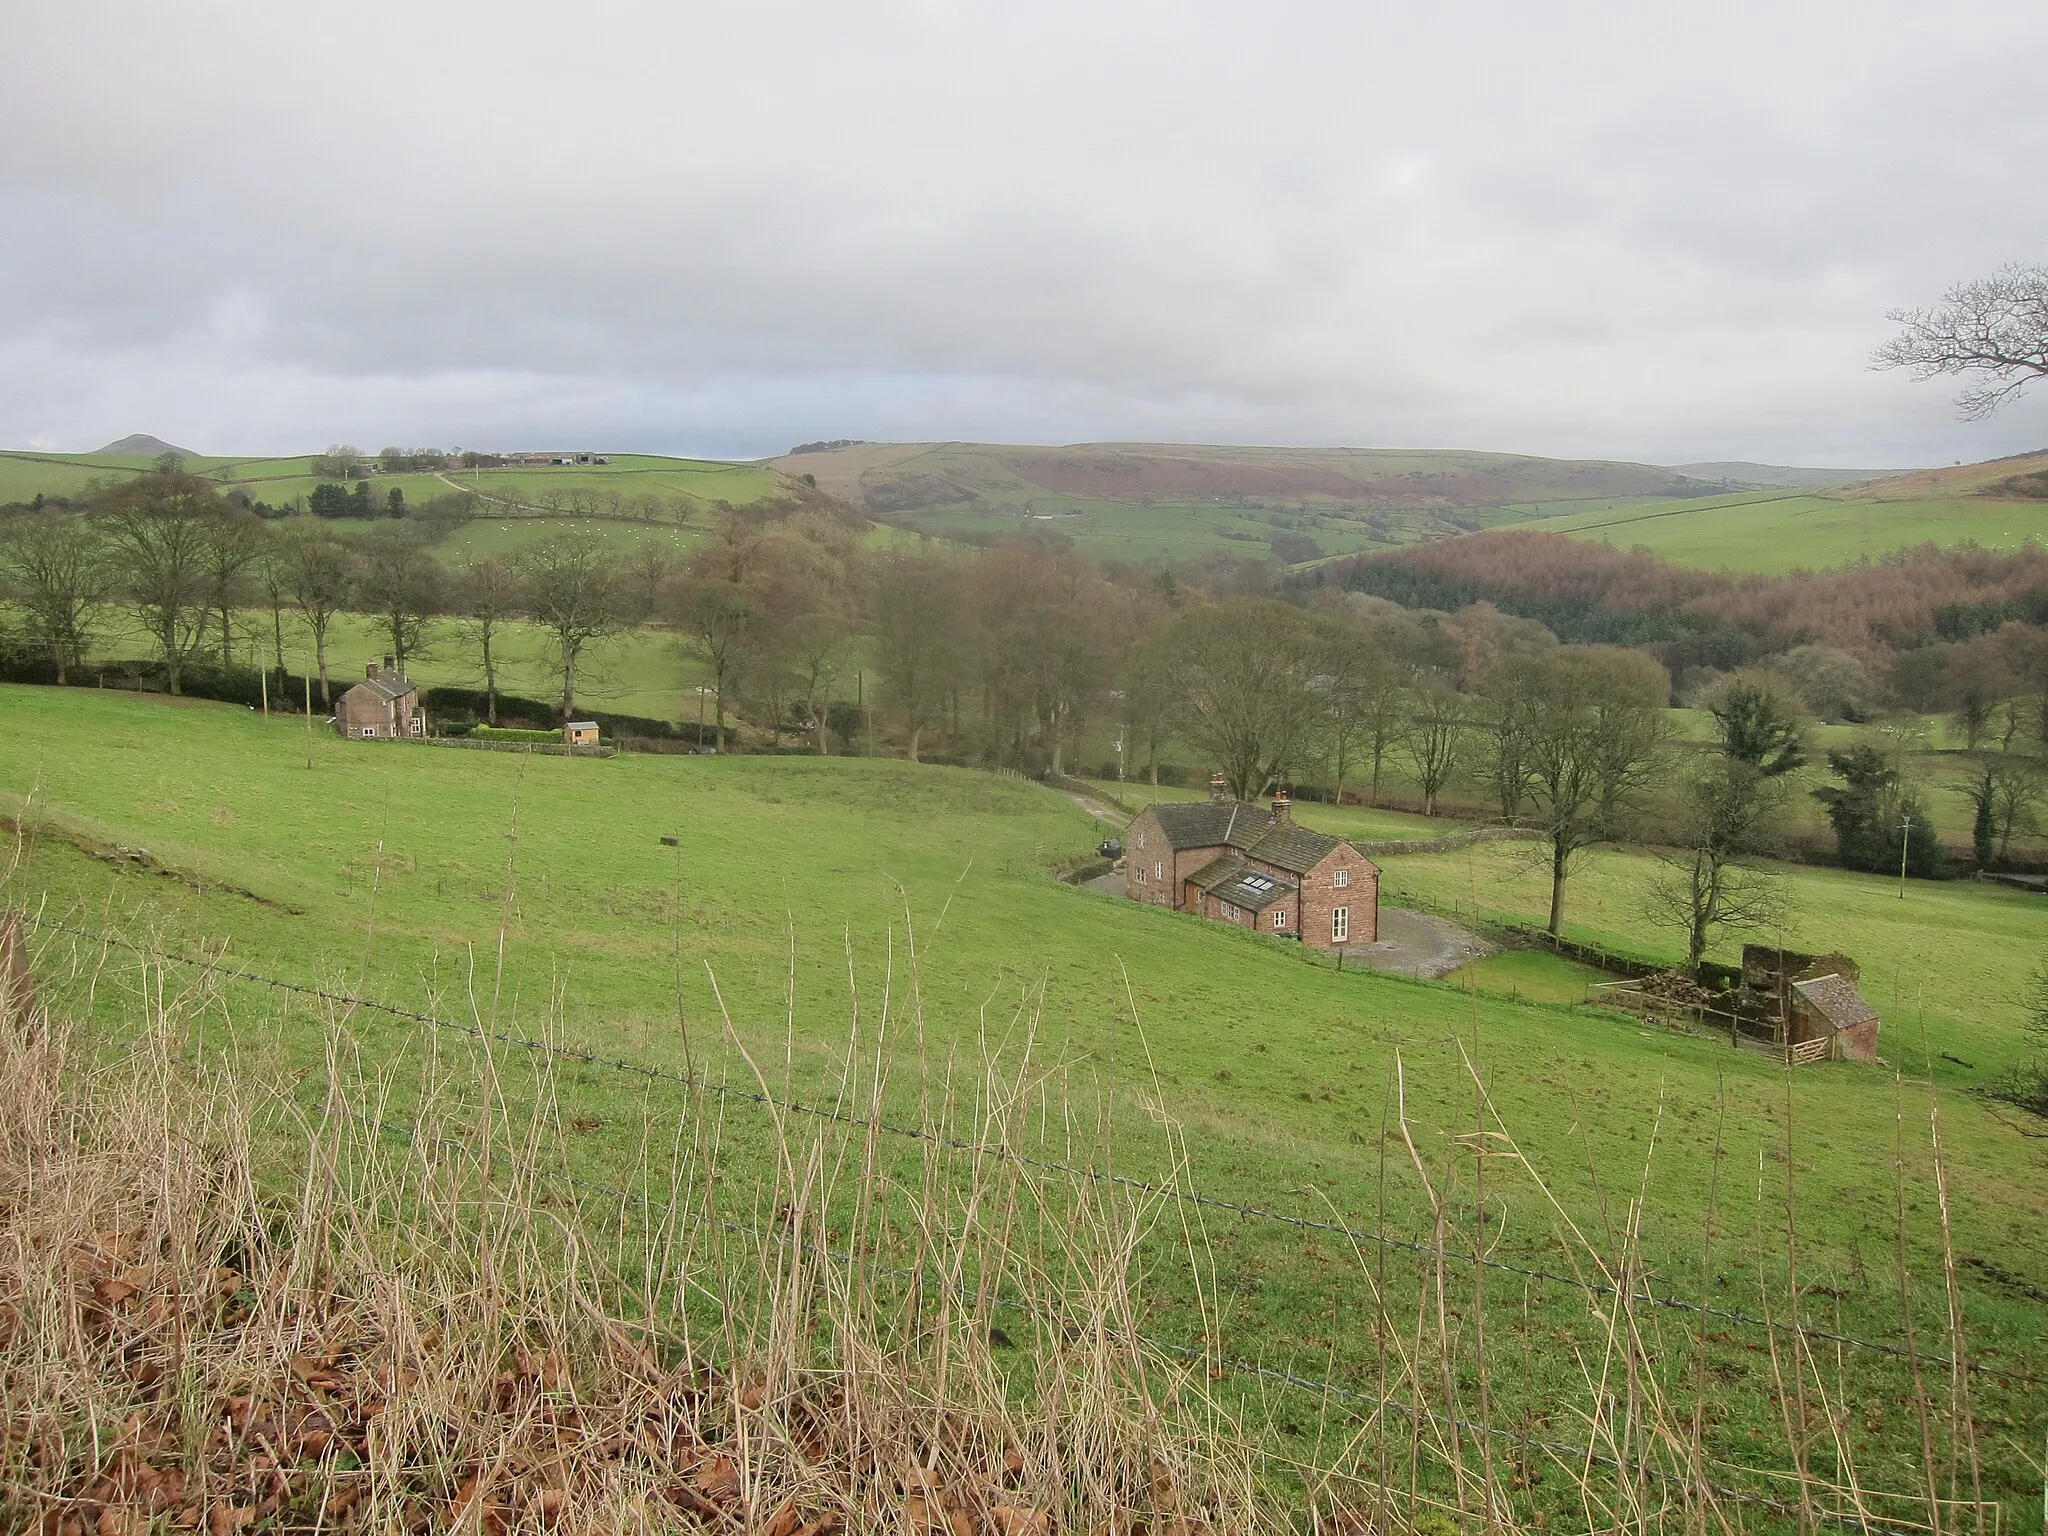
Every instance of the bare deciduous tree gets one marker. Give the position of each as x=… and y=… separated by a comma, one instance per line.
x=574, y=590
x=488, y=594
x=318, y=570
x=1245, y=670
x=402, y=587
x=160, y=527
x=1433, y=731
x=56, y=568
x=917, y=606
x=1596, y=729
x=1992, y=331
x=1706, y=883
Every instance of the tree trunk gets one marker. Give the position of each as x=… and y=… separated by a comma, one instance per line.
x=818, y=729
x=916, y=732
x=277, y=635
x=227, y=643
x=320, y=656
x=568, y=682
x=1557, y=862
x=174, y=660
x=718, y=729
x=490, y=683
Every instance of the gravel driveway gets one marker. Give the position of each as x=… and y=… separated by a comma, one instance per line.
x=1417, y=944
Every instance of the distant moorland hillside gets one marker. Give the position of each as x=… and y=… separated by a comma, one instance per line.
x=1170, y=500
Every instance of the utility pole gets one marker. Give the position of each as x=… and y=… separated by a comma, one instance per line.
x=309, y=717
x=1905, y=846
x=264, y=684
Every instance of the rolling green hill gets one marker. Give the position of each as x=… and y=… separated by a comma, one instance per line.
x=1143, y=501
x=820, y=910
x=2000, y=504
x=627, y=486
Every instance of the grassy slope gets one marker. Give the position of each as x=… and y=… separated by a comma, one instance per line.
x=840, y=849
x=1774, y=532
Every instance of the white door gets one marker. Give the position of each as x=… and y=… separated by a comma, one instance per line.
x=1340, y=924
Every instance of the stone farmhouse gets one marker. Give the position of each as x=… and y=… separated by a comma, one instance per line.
x=1233, y=862
x=384, y=706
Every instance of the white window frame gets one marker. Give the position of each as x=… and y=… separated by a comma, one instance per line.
x=1159, y=869
x=1341, y=878
x=1340, y=925
x=369, y=733
x=1280, y=917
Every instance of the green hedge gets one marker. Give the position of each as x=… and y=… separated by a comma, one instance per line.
x=500, y=733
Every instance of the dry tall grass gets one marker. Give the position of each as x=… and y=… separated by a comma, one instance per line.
x=230, y=1305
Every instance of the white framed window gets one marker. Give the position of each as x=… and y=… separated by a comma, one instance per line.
x=1341, y=878
x=419, y=725
x=1141, y=874
x=1340, y=924
x=369, y=733
x=1280, y=918
x=1159, y=869
x=1229, y=913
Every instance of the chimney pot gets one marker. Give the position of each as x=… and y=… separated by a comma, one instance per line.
x=1219, y=787
x=1283, y=808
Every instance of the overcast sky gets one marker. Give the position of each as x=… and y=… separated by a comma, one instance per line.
x=1666, y=231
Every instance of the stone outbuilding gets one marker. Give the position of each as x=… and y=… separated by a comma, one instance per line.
x=1824, y=1015
x=384, y=706
x=1234, y=862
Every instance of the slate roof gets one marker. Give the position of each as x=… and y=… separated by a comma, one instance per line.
x=1253, y=890
x=1836, y=999
x=1293, y=848
x=1225, y=866
x=1211, y=823
x=388, y=686
x=1248, y=829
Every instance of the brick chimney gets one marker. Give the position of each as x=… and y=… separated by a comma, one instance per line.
x=1283, y=808
x=1219, y=787
x=370, y=671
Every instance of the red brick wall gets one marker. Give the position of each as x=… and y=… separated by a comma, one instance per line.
x=1321, y=896
x=1144, y=848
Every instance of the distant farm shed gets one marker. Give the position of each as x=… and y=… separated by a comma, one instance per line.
x=580, y=733
x=1817, y=997
x=384, y=706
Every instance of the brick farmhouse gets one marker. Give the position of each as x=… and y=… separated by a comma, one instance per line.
x=384, y=706
x=1236, y=863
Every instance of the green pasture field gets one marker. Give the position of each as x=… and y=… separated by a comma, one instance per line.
x=1959, y=949
x=641, y=672
x=399, y=869
x=804, y=888
x=278, y=480
x=1775, y=532
x=1535, y=975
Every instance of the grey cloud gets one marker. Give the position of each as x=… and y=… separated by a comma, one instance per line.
x=1595, y=228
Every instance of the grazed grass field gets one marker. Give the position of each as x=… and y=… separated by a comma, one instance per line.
x=1776, y=532
x=799, y=884
x=694, y=483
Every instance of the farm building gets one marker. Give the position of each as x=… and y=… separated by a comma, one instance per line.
x=384, y=706
x=1823, y=1012
x=1234, y=862
x=580, y=733
x=541, y=460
